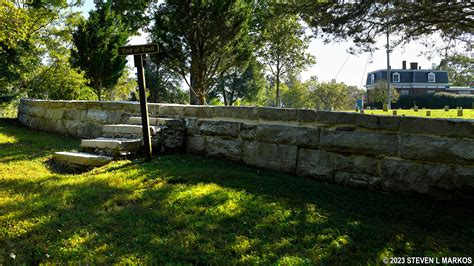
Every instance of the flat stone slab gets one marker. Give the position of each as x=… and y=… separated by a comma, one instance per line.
x=158, y=121
x=129, y=129
x=80, y=158
x=119, y=144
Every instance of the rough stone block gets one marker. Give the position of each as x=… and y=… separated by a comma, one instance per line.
x=357, y=164
x=437, y=149
x=192, y=126
x=332, y=118
x=247, y=132
x=359, y=142
x=89, y=130
x=464, y=178
x=84, y=159
x=200, y=111
x=56, y=104
x=97, y=116
x=298, y=136
x=401, y=175
x=171, y=110
x=71, y=127
x=222, y=128
x=240, y=112
x=356, y=180
x=307, y=115
x=316, y=163
x=54, y=113
x=391, y=123
x=36, y=111
x=195, y=144
x=276, y=114
x=271, y=156
x=441, y=127
x=224, y=148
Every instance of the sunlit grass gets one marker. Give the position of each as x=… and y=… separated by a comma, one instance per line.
x=434, y=113
x=182, y=209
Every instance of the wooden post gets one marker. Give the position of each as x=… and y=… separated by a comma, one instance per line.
x=138, y=58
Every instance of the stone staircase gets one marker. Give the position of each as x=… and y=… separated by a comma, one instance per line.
x=125, y=140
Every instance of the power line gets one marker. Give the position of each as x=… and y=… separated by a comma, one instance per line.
x=342, y=66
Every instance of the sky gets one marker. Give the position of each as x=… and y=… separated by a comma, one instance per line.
x=334, y=62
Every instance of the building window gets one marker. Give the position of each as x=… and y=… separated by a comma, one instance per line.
x=396, y=77
x=404, y=92
x=431, y=77
x=372, y=78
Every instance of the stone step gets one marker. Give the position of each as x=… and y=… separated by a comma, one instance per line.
x=83, y=159
x=158, y=121
x=116, y=144
x=128, y=130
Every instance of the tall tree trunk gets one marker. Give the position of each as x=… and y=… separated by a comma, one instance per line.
x=224, y=95
x=193, y=76
x=278, y=101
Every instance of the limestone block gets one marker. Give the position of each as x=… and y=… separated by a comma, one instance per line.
x=399, y=175
x=23, y=108
x=271, y=156
x=23, y=118
x=298, y=136
x=440, y=127
x=171, y=110
x=332, y=118
x=356, y=180
x=84, y=159
x=89, y=130
x=359, y=142
x=276, y=114
x=114, y=105
x=56, y=104
x=192, y=126
x=222, y=128
x=357, y=164
x=116, y=117
x=195, y=144
x=240, y=112
x=307, y=115
x=316, y=163
x=224, y=148
x=464, y=178
x=378, y=122
x=97, y=116
x=54, y=113
x=71, y=127
x=437, y=149
x=247, y=132
x=36, y=111
x=200, y=111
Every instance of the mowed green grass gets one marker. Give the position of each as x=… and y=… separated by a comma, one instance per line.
x=192, y=210
x=435, y=113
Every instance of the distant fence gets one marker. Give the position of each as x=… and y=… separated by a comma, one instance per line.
x=401, y=154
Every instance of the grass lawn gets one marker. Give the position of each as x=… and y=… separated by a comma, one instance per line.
x=435, y=113
x=192, y=210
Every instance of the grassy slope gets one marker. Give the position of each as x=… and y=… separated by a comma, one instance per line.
x=193, y=210
x=435, y=113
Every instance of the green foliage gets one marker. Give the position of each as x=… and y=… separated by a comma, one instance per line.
x=295, y=94
x=283, y=49
x=202, y=39
x=241, y=83
x=181, y=209
x=379, y=92
x=96, y=44
x=123, y=90
x=163, y=84
x=459, y=69
x=14, y=25
x=331, y=95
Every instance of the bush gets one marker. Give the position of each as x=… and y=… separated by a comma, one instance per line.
x=431, y=101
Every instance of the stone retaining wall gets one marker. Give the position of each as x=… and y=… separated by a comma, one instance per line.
x=402, y=154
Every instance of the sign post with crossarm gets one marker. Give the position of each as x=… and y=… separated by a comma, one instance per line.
x=139, y=52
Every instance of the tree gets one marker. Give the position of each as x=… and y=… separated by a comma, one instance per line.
x=202, y=40
x=295, y=94
x=124, y=88
x=283, y=48
x=364, y=21
x=330, y=95
x=379, y=92
x=241, y=83
x=163, y=84
x=96, y=48
x=459, y=69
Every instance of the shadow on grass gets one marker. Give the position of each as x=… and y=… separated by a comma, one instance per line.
x=192, y=210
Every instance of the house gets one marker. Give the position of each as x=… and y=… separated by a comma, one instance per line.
x=414, y=81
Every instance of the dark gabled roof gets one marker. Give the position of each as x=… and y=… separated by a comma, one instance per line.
x=410, y=76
